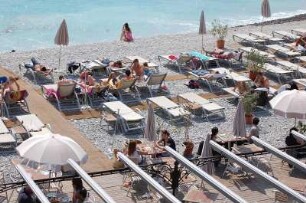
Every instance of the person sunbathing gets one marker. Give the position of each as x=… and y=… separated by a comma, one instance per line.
x=262, y=81
x=9, y=85
x=114, y=81
x=87, y=78
x=42, y=69
x=137, y=69
x=241, y=88
x=116, y=64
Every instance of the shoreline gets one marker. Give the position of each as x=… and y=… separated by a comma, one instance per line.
x=295, y=18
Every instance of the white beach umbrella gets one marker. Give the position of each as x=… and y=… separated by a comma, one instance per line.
x=290, y=104
x=52, y=150
x=239, y=127
x=61, y=39
x=202, y=28
x=150, y=132
x=265, y=10
x=207, y=152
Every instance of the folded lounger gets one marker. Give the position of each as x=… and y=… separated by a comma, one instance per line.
x=286, y=35
x=283, y=51
x=126, y=117
x=301, y=71
x=267, y=38
x=33, y=125
x=208, y=108
x=278, y=71
x=173, y=110
x=244, y=38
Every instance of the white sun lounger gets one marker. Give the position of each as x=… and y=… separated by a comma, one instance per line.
x=208, y=108
x=173, y=110
x=33, y=125
x=283, y=51
x=286, y=35
x=301, y=71
x=231, y=75
x=6, y=138
x=279, y=72
x=263, y=53
x=301, y=81
x=302, y=59
x=231, y=91
x=268, y=38
x=244, y=38
x=127, y=117
x=298, y=31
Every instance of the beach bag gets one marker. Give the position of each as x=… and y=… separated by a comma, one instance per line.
x=192, y=84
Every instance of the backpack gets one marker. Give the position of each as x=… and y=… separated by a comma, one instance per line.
x=192, y=84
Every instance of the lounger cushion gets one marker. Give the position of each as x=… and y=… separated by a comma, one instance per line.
x=6, y=138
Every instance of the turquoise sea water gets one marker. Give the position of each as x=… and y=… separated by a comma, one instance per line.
x=32, y=24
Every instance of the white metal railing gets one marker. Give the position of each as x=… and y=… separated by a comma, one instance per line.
x=280, y=186
x=160, y=189
x=91, y=182
x=213, y=182
x=300, y=135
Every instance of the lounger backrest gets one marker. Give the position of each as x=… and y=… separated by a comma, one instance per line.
x=184, y=58
x=66, y=90
x=124, y=84
x=15, y=96
x=3, y=128
x=156, y=79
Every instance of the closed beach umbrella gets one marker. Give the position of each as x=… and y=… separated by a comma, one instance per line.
x=207, y=152
x=61, y=39
x=150, y=133
x=239, y=128
x=265, y=10
x=290, y=104
x=52, y=150
x=202, y=28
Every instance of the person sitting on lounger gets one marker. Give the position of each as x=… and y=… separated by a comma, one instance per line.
x=115, y=64
x=38, y=67
x=165, y=140
x=137, y=69
x=126, y=34
x=262, y=81
x=241, y=87
x=9, y=85
x=63, y=80
x=87, y=78
x=221, y=54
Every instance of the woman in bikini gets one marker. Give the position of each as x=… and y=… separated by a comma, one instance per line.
x=126, y=34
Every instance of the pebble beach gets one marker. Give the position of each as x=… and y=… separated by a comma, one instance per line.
x=273, y=129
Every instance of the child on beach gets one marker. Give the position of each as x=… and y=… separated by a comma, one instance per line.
x=126, y=34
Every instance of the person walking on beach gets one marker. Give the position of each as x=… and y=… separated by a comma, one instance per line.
x=126, y=34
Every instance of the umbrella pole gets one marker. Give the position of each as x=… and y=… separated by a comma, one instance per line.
x=59, y=58
x=202, y=44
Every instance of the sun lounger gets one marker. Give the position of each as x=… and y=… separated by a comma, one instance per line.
x=263, y=53
x=279, y=72
x=6, y=137
x=302, y=59
x=301, y=71
x=181, y=61
x=268, y=38
x=277, y=49
x=127, y=91
x=141, y=60
x=95, y=66
x=208, y=109
x=33, y=125
x=37, y=74
x=126, y=117
x=154, y=80
x=231, y=75
x=231, y=91
x=247, y=39
x=206, y=61
x=173, y=110
x=15, y=102
x=63, y=94
x=301, y=81
x=298, y=31
x=286, y=35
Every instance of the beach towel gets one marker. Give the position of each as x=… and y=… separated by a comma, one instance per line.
x=199, y=55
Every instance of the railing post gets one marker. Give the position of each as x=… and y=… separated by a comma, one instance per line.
x=175, y=177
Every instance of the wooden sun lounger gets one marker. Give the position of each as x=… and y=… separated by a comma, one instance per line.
x=263, y=53
x=208, y=108
x=173, y=110
x=301, y=71
x=298, y=31
x=268, y=38
x=283, y=51
x=279, y=72
x=286, y=35
x=244, y=38
x=126, y=116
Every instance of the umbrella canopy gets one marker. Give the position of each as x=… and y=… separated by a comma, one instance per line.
x=62, y=37
x=290, y=104
x=150, y=132
x=207, y=152
x=265, y=9
x=239, y=128
x=202, y=28
x=52, y=150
